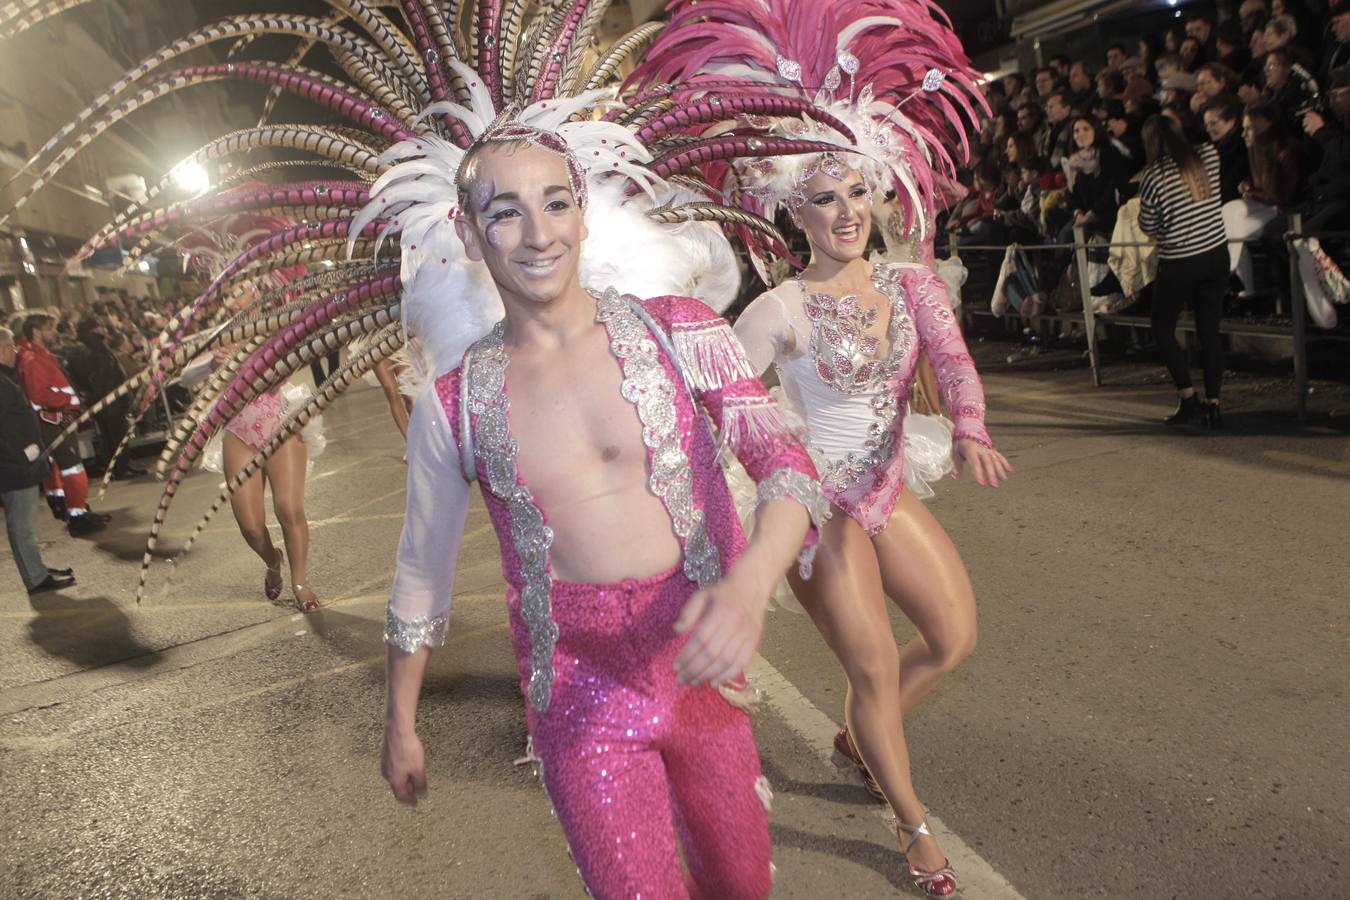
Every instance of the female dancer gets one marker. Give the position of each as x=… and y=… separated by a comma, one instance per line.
x=845, y=336
x=250, y=430
x=285, y=470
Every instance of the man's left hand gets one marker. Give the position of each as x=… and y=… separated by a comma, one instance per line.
x=724, y=623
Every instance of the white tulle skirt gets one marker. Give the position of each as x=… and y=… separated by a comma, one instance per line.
x=928, y=452
x=294, y=397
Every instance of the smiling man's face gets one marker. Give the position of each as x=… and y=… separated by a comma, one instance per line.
x=523, y=222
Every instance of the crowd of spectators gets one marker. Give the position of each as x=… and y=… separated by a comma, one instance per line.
x=99, y=344
x=128, y=325
x=1268, y=84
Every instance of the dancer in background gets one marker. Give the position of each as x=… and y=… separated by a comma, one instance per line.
x=260, y=420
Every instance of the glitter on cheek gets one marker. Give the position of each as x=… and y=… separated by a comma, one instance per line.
x=493, y=235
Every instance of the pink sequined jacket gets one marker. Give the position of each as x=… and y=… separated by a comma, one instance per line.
x=671, y=350
x=852, y=395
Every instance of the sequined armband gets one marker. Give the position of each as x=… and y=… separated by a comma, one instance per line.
x=410, y=635
x=786, y=482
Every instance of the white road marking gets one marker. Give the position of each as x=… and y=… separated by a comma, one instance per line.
x=979, y=880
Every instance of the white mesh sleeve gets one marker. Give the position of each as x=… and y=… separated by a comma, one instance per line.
x=763, y=330
x=428, y=551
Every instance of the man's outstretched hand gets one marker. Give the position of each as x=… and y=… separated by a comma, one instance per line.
x=403, y=763
x=724, y=623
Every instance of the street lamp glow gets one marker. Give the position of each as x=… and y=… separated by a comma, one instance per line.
x=192, y=177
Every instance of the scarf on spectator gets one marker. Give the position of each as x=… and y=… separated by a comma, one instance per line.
x=1082, y=162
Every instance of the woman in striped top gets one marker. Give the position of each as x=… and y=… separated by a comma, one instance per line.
x=1179, y=206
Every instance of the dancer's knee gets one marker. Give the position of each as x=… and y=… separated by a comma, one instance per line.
x=874, y=668
x=953, y=651
x=291, y=516
x=255, y=536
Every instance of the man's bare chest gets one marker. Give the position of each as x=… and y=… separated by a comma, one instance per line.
x=572, y=423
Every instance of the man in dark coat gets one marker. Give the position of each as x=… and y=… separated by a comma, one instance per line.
x=96, y=372
x=1331, y=181
x=23, y=466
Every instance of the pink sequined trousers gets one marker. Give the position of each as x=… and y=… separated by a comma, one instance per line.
x=630, y=757
x=259, y=420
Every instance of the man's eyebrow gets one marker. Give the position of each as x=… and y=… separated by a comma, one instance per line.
x=514, y=197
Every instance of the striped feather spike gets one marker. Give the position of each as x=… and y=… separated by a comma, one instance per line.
x=279, y=357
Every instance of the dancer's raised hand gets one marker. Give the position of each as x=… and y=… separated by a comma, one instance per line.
x=987, y=466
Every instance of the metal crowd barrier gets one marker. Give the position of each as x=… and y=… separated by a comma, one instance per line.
x=1297, y=330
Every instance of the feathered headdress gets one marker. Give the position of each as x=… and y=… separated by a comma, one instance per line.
x=376, y=240
x=420, y=195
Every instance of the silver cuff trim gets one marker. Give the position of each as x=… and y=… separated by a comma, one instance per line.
x=787, y=482
x=410, y=635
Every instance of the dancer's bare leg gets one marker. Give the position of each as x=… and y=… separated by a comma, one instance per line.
x=387, y=374
x=247, y=505
x=286, y=473
x=924, y=575
x=844, y=598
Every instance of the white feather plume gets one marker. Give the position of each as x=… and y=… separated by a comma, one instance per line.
x=450, y=301
x=626, y=250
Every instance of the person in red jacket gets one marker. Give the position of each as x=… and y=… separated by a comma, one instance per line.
x=48, y=389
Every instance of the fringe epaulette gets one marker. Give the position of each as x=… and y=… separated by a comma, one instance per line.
x=710, y=354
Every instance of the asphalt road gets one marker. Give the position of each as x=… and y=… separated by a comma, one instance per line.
x=1157, y=706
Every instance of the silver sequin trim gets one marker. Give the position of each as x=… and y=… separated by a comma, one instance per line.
x=799, y=486
x=410, y=635
x=647, y=385
x=845, y=359
x=843, y=348
x=805, y=490
x=878, y=448
x=495, y=450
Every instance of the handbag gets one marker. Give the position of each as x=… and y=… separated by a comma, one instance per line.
x=1320, y=286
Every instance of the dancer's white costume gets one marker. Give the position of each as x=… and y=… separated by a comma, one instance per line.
x=848, y=374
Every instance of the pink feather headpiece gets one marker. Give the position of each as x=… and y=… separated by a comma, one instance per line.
x=892, y=71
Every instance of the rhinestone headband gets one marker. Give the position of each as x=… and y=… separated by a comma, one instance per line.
x=507, y=130
x=828, y=163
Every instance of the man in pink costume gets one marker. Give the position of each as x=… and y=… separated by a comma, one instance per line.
x=634, y=599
